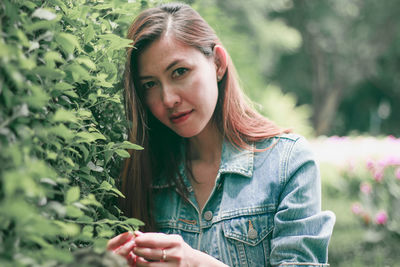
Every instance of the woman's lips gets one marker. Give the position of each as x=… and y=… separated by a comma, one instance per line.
x=180, y=117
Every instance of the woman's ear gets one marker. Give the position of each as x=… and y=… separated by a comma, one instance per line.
x=220, y=59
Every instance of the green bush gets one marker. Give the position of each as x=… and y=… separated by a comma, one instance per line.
x=62, y=127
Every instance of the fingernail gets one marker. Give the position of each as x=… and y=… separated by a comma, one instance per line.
x=129, y=243
x=127, y=233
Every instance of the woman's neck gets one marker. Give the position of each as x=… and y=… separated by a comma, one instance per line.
x=206, y=147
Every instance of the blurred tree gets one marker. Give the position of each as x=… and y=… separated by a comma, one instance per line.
x=256, y=41
x=348, y=65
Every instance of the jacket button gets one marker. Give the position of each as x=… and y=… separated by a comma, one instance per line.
x=208, y=215
x=252, y=234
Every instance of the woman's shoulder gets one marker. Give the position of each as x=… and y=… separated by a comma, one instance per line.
x=285, y=146
x=282, y=140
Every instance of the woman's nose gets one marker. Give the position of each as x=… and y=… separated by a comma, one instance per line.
x=170, y=96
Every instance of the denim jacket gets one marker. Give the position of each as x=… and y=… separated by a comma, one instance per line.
x=264, y=210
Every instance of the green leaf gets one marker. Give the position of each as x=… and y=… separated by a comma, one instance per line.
x=38, y=240
x=40, y=25
x=27, y=63
x=51, y=57
x=105, y=186
x=61, y=131
x=62, y=86
x=78, y=73
x=72, y=194
x=133, y=221
x=73, y=212
x=90, y=137
x=22, y=37
x=88, y=34
x=69, y=161
x=90, y=200
x=63, y=115
x=87, y=232
x=71, y=94
x=87, y=62
x=87, y=114
x=122, y=153
x=104, y=231
x=50, y=73
x=38, y=99
x=101, y=80
x=85, y=151
x=116, y=42
x=119, y=193
x=68, y=42
x=28, y=4
x=67, y=229
x=51, y=155
x=89, y=178
x=129, y=145
x=61, y=255
x=100, y=245
x=107, y=156
x=85, y=219
x=103, y=6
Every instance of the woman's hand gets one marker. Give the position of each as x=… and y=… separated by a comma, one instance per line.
x=122, y=245
x=157, y=249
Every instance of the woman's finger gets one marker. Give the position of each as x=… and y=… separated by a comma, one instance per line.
x=140, y=262
x=131, y=258
x=119, y=240
x=125, y=249
x=157, y=240
x=155, y=254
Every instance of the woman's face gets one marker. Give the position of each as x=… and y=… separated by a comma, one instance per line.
x=180, y=85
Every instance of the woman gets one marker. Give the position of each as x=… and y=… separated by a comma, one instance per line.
x=217, y=183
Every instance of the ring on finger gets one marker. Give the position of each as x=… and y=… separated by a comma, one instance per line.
x=164, y=255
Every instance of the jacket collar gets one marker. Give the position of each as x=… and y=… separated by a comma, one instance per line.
x=233, y=160
x=237, y=160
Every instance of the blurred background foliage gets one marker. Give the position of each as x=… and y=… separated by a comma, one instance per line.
x=339, y=57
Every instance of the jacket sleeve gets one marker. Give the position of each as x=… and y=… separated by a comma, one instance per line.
x=301, y=230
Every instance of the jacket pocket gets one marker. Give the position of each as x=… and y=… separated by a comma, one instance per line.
x=248, y=239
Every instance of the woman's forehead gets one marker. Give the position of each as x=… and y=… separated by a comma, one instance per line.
x=164, y=51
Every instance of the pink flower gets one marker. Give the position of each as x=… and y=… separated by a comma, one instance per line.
x=381, y=218
x=389, y=160
x=378, y=175
x=370, y=164
x=356, y=208
x=366, y=188
x=397, y=173
x=391, y=138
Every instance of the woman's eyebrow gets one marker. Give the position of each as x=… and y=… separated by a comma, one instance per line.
x=145, y=77
x=172, y=64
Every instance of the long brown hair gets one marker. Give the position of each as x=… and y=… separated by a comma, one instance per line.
x=237, y=121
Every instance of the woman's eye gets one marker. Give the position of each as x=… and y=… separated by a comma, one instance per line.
x=148, y=85
x=179, y=72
